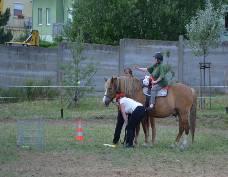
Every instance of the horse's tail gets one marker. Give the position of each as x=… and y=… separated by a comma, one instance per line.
x=193, y=115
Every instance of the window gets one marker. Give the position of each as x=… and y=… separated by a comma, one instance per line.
x=226, y=20
x=39, y=16
x=48, y=16
x=18, y=8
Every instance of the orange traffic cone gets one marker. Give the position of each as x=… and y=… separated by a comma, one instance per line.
x=79, y=131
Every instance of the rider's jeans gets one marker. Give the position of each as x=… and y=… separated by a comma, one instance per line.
x=154, y=91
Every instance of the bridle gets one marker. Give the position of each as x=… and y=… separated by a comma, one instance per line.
x=116, y=88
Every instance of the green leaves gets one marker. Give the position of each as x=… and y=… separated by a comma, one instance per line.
x=204, y=29
x=77, y=71
x=5, y=36
x=107, y=22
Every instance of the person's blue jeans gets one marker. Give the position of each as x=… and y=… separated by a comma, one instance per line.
x=153, y=93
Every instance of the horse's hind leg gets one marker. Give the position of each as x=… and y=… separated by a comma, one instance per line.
x=183, y=126
x=181, y=130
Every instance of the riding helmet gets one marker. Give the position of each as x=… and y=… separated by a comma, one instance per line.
x=158, y=56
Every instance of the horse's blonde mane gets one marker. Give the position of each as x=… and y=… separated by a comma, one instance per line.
x=128, y=85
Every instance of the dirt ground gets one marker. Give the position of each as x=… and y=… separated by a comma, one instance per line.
x=69, y=164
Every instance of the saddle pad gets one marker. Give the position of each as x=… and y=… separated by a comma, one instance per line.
x=161, y=93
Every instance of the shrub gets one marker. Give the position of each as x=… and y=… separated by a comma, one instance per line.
x=29, y=93
x=36, y=92
x=47, y=44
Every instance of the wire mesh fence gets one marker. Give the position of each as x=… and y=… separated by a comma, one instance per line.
x=209, y=95
x=52, y=102
x=30, y=134
x=42, y=101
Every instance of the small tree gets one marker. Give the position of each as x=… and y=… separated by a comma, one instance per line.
x=78, y=72
x=204, y=30
x=5, y=36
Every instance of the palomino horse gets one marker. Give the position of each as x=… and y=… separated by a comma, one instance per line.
x=180, y=101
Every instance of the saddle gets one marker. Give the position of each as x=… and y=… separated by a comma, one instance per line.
x=147, y=85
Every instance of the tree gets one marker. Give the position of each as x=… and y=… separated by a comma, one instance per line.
x=77, y=72
x=204, y=30
x=5, y=35
x=107, y=22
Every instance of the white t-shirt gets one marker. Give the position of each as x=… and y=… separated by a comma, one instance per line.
x=129, y=104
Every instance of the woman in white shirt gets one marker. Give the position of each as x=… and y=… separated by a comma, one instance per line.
x=137, y=113
x=120, y=120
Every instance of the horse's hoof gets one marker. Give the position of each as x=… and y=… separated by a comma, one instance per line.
x=173, y=146
x=182, y=147
x=147, y=145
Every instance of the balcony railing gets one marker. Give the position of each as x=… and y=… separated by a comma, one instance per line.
x=20, y=22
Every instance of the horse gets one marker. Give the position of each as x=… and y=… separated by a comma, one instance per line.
x=181, y=101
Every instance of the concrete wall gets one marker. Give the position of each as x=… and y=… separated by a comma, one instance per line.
x=219, y=66
x=181, y=58
x=140, y=52
x=104, y=56
x=18, y=64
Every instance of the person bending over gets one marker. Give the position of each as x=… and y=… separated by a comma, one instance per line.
x=120, y=120
x=136, y=111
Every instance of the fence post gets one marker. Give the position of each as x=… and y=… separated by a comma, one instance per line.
x=121, y=57
x=59, y=63
x=180, y=58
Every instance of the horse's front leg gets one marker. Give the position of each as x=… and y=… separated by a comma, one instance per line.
x=137, y=129
x=152, y=123
x=145, y=125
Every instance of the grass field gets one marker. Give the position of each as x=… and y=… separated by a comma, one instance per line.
x=63, y=156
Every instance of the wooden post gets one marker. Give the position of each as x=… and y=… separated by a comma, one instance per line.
x=59, y=63
x=180, y=58
x=121, y=57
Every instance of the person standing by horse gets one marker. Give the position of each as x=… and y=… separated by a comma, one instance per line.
x=157, y=71
x=120, y=119
x=132, y=112
x=128, y=72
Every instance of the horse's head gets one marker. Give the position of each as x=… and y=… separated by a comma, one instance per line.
x=110, y=90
